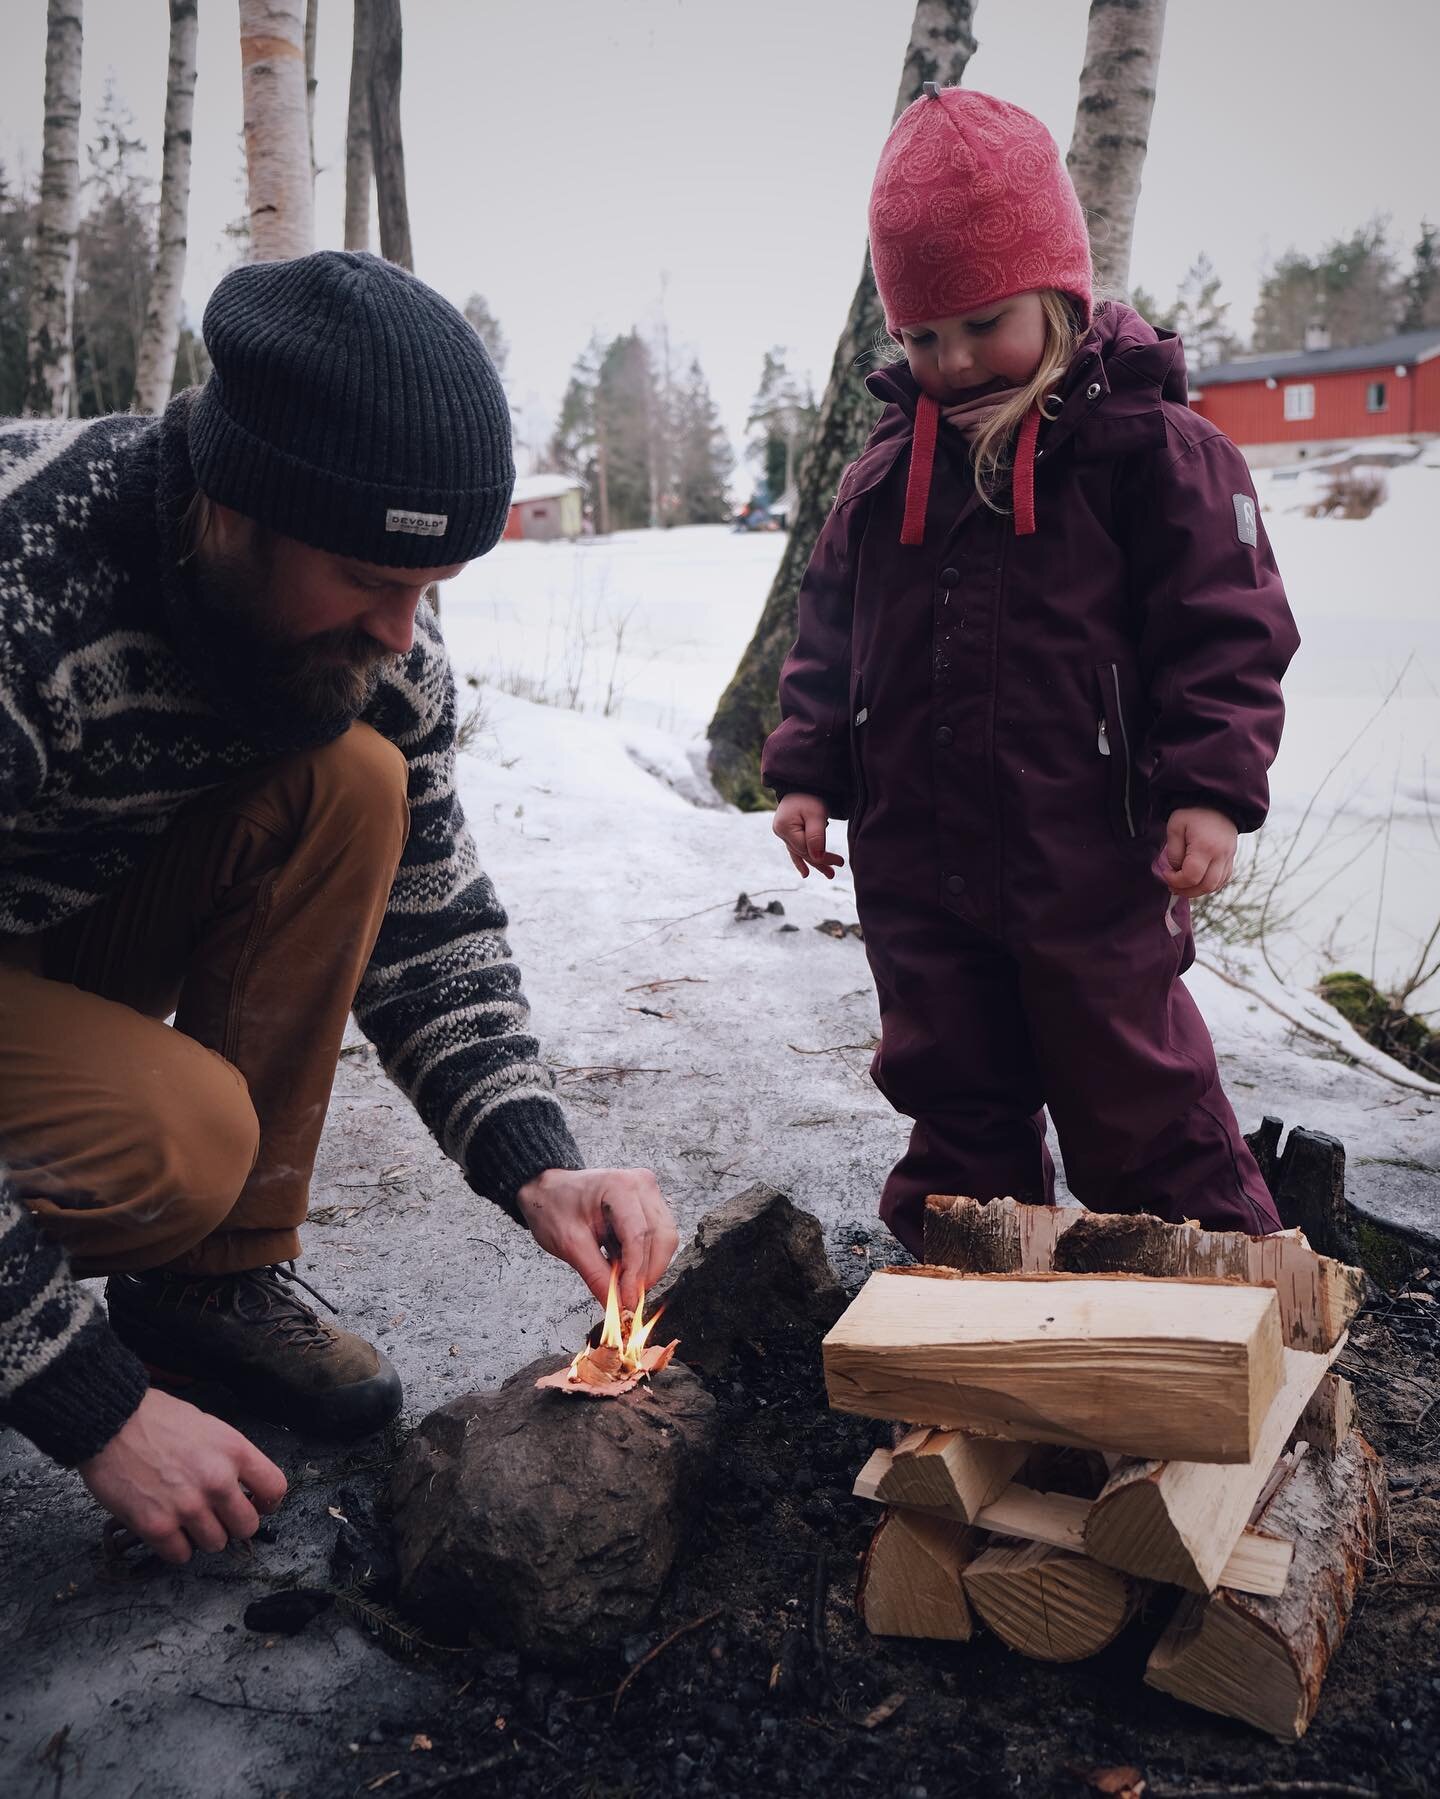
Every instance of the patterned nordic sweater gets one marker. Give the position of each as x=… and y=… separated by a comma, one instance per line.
x=112, y=717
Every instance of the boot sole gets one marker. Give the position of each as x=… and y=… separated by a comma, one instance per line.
x=343, y=1413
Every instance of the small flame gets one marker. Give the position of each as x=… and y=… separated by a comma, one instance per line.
x=621, y=1355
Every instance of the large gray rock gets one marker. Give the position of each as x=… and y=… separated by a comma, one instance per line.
x=755, y=1271
x=548, y=1522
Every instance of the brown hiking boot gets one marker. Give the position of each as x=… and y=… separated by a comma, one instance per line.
x=252, y=1334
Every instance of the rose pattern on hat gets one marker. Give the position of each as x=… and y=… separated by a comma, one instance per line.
x=971, y=203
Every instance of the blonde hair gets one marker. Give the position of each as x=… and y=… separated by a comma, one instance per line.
x=995, y=441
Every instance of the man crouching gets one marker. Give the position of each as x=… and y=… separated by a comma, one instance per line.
x=227, y=739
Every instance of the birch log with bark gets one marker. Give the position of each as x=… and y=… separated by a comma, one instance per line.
x=155, y=360
x=386, y=144
x=1112, y=128
x=941, y=44
x=359, y=169
x=50, y=374
x=277, y=136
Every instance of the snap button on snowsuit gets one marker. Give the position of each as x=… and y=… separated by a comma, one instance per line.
x=1053, y=983
x=944, y=737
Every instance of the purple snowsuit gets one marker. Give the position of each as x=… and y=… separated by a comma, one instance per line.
x=1008, y=722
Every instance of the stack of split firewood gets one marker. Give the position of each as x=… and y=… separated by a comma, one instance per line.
x=1098, y=1411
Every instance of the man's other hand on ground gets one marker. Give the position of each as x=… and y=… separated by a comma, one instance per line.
x=182, y=1480
x=572, y=1214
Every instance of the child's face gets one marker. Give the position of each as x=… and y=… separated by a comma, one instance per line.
x=953, y=357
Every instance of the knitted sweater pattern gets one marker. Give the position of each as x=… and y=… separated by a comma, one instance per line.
x=111, y=720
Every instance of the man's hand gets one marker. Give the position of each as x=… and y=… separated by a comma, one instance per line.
x=800, y=821
x=178, y=1478
x=1200, y=851
x=572, y=1214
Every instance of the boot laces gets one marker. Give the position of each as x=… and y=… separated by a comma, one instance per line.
x=288, y=1315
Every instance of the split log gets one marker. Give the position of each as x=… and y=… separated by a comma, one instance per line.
x=1257, y=1564
x=1179, y=1521
x=1318, y=1295
x=1264, y=1660
x=1047, y=1603
x=1156, y=1368
x=943, y=1471
x=1330, y=1416
x=910, y=1580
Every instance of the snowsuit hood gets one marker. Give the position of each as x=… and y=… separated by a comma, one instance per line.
x=1122, y=359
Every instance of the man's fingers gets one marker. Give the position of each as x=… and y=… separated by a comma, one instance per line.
x=664, y=1237
x=266, y=1484
x=635, y=1234
x=203, y=1528
x=580, y=1249
x=170, y=1546
x=236, y=1513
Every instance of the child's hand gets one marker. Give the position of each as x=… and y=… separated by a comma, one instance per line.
x=800, y=821
x=1200, y=851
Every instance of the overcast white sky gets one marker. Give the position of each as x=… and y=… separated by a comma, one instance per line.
x=563, y=158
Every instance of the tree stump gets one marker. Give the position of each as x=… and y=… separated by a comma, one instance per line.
x=1047, y=1603
x=1264, y=1660
x=549, y=1523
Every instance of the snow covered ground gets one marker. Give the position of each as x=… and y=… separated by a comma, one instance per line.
x=716, y=1051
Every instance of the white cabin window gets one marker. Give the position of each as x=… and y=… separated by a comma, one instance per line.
x=1375, y=397
x=1300, y=400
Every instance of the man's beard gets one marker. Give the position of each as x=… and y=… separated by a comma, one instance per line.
x=321, y=680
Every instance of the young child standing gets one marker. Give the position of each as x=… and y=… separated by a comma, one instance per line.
x=1038, y=670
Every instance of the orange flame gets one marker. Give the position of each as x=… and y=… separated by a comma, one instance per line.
x=621, y=1354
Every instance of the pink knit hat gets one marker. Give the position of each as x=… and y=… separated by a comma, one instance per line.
x=971, y=204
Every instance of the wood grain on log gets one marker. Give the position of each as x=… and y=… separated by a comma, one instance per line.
x=945, y=1470
x=1318, y=1295
x=1048, y=1603
x=1330, y=1416
x=1156, y=1368
x=1179, y=1521
x=910, y=1580
x=1264, y=1660
x=1257, y=1564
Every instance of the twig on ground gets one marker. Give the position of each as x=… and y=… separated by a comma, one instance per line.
x=1309, y=1030
x=679, y=980
x=723, y=906
x=659, y=1649
x=830, y=1049
x=819, y=1591
x=248, y=1705
x=446, y=1781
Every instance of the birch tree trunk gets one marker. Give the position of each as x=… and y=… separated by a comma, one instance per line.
x=387, y=146
x=51, y=346
x=277, y=138
x=1112, y=128
x=155, y=360
x=359, y=168
x=312, y=26
x=941, y=44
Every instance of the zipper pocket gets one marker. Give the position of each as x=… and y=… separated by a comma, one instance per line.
x=1112, y=739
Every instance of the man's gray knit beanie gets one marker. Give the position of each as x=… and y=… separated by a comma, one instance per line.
x=351, y=407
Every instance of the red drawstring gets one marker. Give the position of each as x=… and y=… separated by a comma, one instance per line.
x=1022, y=480
x=922, y=462
x=922, y=465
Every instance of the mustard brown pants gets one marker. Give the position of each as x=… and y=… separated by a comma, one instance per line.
x=141, y=1145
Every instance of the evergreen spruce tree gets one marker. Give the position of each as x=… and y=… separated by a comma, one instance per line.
x=487, y=329
x=625, y=408
x=1199, y=316
x=781, y=424
x=17, y=214
x=1422, y=284
x=573, y=447
x=1352, y=288
x=703, y=458
x=116, y=258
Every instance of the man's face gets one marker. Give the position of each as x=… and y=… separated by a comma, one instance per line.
x=319, y=626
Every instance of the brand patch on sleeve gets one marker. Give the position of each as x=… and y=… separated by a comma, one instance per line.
x=1245, y=528
x=426, y=524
